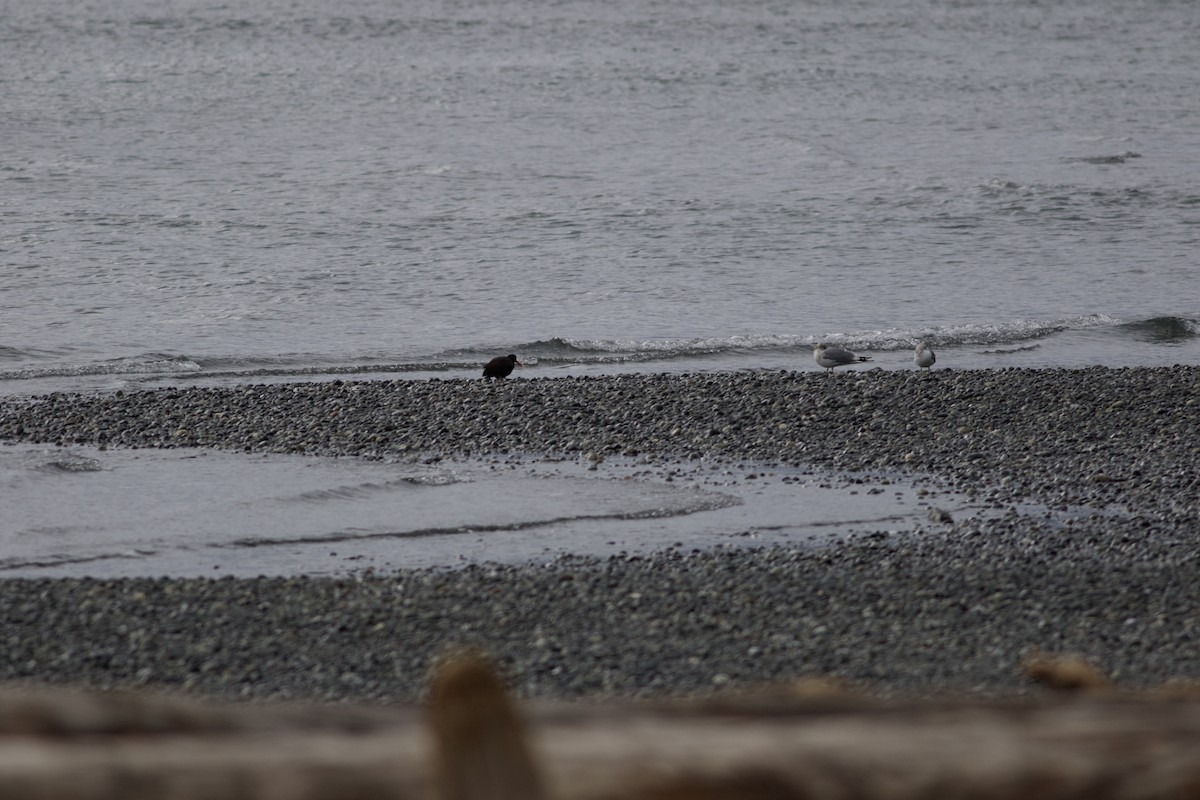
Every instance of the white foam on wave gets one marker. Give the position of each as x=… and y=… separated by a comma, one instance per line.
x=988, y=333
x=150, y=364
x=703, y=344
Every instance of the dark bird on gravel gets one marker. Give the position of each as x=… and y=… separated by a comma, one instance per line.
x=501, y=367
x=829, y=357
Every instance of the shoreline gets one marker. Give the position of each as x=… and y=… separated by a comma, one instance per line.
x=952, y=608
x=1062, y=437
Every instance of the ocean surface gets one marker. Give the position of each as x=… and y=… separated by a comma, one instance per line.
x=297, y=189
x=294, y=190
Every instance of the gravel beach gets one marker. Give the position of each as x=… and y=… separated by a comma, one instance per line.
x=955, y=607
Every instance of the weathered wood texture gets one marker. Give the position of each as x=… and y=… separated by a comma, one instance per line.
x=474, y=743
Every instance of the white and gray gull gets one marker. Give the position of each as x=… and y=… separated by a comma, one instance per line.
x=830, y=357
x=924, y=356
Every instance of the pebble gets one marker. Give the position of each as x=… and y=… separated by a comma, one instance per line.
x=954, y=606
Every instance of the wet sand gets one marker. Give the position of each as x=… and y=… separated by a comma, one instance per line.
x=97, y=512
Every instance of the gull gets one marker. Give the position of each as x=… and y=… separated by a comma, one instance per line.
x=830, y=357
x=924, y=357
x=501, y=366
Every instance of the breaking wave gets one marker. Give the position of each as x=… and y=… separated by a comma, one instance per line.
x=993, y=337
x=1163, y=330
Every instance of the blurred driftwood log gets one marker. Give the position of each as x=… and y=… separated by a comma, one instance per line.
x=474, y=742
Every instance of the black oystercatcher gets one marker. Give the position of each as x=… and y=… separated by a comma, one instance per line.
x=501, y=366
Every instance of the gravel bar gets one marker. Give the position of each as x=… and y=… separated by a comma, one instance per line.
x=1111, y=576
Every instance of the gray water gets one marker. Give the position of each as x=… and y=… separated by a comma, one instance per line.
x=202, y=193
x=86, y=511
x=193, y=191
